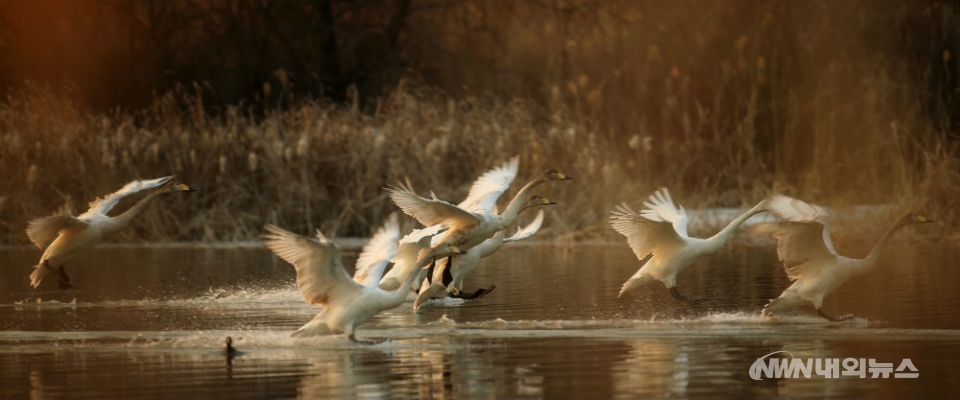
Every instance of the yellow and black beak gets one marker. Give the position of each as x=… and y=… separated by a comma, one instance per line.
x=184, y=188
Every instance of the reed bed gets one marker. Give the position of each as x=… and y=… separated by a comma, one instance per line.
x=319, y=165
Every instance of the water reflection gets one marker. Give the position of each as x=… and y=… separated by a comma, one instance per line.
x=149, y=323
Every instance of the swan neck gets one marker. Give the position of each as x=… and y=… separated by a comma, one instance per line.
x=721, y=237
x=407, y=282
x=513, y=208
x=122, y=220
x=874, y=253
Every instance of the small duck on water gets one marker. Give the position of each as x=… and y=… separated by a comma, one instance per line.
x=228, y=349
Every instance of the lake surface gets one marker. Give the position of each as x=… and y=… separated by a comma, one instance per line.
x=148, y=322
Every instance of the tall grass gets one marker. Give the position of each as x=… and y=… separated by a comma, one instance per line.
x=840, y=104
x=317, y=165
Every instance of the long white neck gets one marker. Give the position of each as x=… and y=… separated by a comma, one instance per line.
x=121, y=221
x=489, y=246
x=510, y=213
x=720, y=238
x=871, y=258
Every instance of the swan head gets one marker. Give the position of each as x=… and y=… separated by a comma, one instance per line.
x=914, y=218
x=554, y=175
x=537, y=200
x=182, y=187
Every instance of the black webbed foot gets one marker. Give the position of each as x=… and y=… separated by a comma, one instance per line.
x=364, y=342
x=475, y=295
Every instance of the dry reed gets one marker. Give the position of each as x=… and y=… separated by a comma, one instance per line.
x=323, y=166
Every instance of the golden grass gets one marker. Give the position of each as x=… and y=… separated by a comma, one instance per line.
x=324, y=166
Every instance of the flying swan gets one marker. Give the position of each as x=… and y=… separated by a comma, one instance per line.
x=62, y=236
x=661, y=230
x=322, y=279
x=443, y=279
x=808, y=255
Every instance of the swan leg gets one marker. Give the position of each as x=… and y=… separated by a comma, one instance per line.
x=447, y=277
x=433, y=266
x=833, y=319
x=62, y=279
x=686, y=301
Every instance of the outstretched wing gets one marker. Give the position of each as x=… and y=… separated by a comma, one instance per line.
x=377, y=253
x=490, y=186
x=44, y=230
x=643, y=234
x=320, y=273
x=529, y=230
x=660, y=208
x=417, y=235
x=800, y=246
x=103, y=205
x=796, y=210
x=430, y=211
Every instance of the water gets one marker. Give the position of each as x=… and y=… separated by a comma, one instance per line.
x=148, y=322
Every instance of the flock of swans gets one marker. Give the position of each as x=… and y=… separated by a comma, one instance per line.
x=432, y=261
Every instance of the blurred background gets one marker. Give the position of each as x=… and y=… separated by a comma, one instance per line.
x=299, y=112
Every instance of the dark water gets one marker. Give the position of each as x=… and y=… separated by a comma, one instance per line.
x=148, y=323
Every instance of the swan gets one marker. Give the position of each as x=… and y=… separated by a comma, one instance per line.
x=62, y=236
x=443, y=279
x=323, y=280
x=661, y=230
x=392, y=279
x=452, y=224
x=808, y=255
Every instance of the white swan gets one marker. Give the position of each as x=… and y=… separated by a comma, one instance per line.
x=63, y=236
x=661, y=230
x=808, y=255
x=323, y=280
x=392, y=279
x=450, y=280
x=452, y=224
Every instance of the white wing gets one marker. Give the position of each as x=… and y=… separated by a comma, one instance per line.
x=102, y=206
x=430, y=211
x=44, y=230
x=377, y=253
x=529, y=230
x=490, y=186
x=642, y=234
x=417, y=235
x=660, y=208
x=800, y=246
x=320, y=273
x=796, y=210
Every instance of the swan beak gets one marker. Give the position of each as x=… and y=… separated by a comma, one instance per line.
x=547, y=202
x=564, y=176
x=184, y=188
x=922, y=219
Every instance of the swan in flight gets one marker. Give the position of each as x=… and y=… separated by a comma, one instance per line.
x=661, y=230
x=392, y=279
x=465, y=228
x=62, y=236
x=323, y=280
x=450, y=280
x=808, y=255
